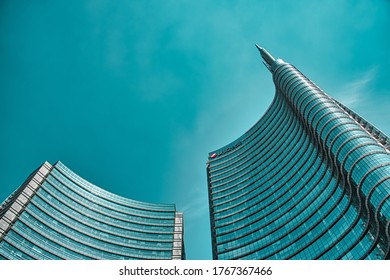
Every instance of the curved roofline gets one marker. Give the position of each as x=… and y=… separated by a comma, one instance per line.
x=100, y=191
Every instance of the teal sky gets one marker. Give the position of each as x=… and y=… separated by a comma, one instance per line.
x=132, y=95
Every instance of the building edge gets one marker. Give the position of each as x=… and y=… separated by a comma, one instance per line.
x=15, y=204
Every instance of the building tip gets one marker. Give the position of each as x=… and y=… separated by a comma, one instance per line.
x=267, y=58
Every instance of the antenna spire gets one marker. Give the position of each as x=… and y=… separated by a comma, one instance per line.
x=267, y=58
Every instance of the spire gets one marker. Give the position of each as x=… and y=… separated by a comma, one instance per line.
x=267, y=58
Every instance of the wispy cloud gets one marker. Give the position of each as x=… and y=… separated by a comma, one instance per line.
x=354, y=93
x=197, y=206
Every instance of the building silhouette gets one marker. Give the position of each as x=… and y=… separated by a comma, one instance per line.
x=310, y=180
x=55, y=214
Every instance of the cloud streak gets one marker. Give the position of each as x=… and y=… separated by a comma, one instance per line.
x=354, y=93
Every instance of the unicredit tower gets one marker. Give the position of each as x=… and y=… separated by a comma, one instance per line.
x=310, y=180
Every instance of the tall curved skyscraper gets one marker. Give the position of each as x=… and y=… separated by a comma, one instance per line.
x=56, y=214
x=310, y=180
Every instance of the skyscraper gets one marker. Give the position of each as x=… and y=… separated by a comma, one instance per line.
x=56, y=214
x=310, y=180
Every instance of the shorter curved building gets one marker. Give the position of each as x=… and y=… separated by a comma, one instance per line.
x=55, y=214
x=310, y=180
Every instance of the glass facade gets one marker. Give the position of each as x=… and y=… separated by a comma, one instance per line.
x=310, y=180
x=56, y=214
